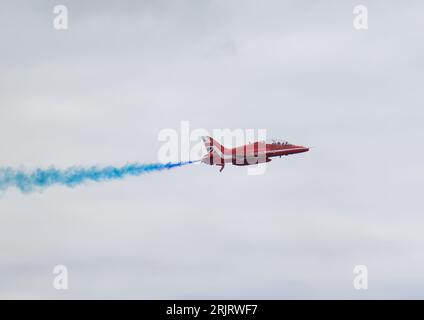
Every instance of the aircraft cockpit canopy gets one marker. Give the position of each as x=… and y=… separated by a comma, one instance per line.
x=277, y=142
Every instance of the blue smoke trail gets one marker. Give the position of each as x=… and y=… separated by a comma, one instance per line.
x=43, y=178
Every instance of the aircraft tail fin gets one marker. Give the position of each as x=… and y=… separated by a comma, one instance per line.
x=213, y=145
x=216, y=152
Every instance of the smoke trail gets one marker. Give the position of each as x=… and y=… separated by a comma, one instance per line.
x=71, y=177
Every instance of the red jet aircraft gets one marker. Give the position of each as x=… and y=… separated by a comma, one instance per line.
x=249, y=154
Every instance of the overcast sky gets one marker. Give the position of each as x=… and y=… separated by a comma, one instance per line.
x=101, y=91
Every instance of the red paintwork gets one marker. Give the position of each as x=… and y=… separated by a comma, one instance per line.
x=249, y=154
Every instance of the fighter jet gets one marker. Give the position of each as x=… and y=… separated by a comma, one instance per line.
x=249, y=154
